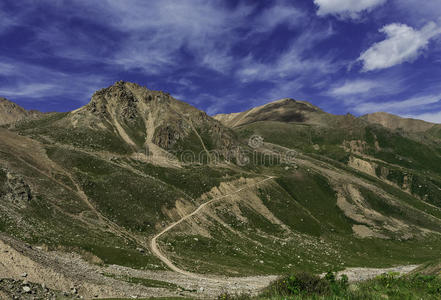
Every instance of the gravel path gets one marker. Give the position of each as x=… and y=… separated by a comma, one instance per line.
x=154, y=245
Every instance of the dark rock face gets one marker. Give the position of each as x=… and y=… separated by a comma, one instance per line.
x=117, y=93
x=15, y=189
x=166, y=137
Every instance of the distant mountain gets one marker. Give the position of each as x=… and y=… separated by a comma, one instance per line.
x=395, y=122
x=11, y=112
x=284, y=110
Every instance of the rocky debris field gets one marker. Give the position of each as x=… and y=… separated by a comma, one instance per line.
x=22, y=289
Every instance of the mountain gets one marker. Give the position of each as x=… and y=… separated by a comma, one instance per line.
x=136, y=183
x=395, y=122
x=11, y=112
x=126, y=118
x=284, y=110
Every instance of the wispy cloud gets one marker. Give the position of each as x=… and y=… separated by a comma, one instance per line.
x=6, y=21
x=346, y=8
x=349, y=88
x=157, y=31
x=38, y=83
x=219, y=55
x=279, y=13
x=291, y=62
x=401, y=107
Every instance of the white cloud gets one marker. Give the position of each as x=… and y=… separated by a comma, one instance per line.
x=354, y=87
x=157, y=31
x=32, y=90
x=402, y=44
x=434, y=117
x=293, y=62
x=278, y=14
x=346, y=8
x=398, y=107
x=35, y=82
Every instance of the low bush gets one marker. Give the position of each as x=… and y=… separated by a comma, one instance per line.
x=302, y=283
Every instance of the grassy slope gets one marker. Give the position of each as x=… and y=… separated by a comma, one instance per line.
x=259, y=246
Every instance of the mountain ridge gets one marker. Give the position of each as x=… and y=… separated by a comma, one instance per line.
x=388, y=120
x=11, y=112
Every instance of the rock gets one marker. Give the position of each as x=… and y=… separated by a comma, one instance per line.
x=201, y=289
x=17, y=190
x=26, y=289
x=24, y=275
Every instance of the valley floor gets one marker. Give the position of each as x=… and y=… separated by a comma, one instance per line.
x=73, y=276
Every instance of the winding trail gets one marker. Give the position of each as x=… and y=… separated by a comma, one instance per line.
x=154, y=245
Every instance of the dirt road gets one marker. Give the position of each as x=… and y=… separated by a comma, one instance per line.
x=154, y=245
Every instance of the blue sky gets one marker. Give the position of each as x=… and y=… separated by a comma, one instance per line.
x=356, y=56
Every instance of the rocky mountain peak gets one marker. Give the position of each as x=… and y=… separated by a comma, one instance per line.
x=11, y=112
x=125, y=95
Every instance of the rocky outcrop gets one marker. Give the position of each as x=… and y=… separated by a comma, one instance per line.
x=11, y=113
x=115, y=95
x=22, y=289
x=15, y=190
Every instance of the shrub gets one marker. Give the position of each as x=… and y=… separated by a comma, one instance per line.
x=299, y=283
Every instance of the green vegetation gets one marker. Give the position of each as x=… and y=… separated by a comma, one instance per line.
x=53, y=127
x=193, y=180
x=289, y=223
x=302, y=137
x=118, y=192
x=403, y=151
x=386, y=286
x=316, y=196
x=305, y=202
x=402, y=212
